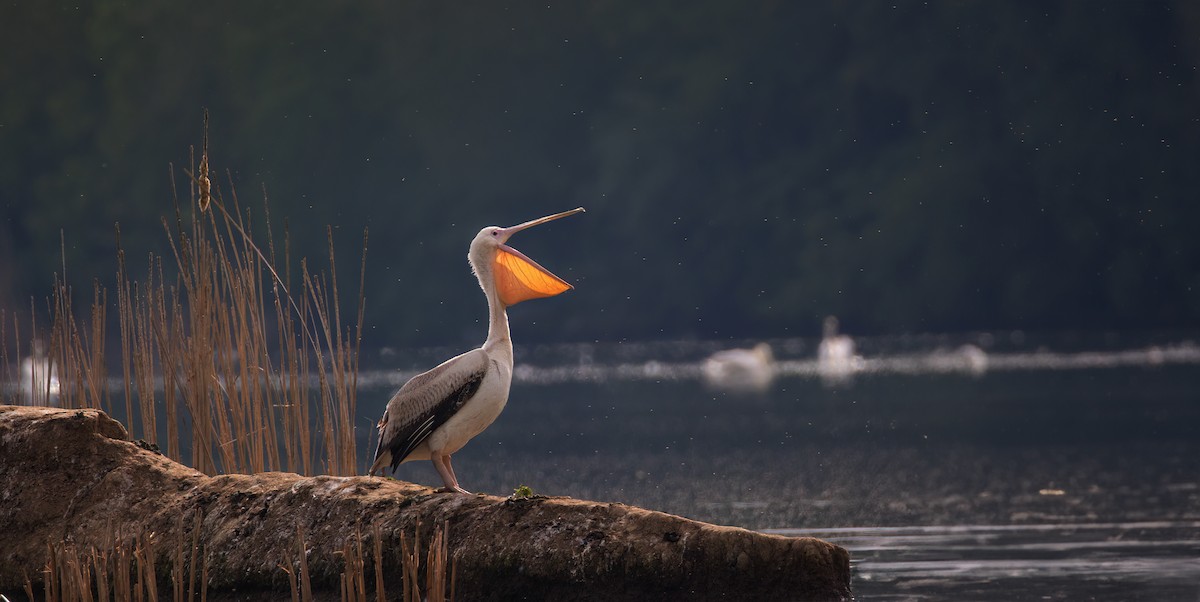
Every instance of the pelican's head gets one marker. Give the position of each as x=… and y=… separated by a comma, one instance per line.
x=514, y=276
x=830, y=327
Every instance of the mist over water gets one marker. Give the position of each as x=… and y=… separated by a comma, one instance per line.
x=974, y=467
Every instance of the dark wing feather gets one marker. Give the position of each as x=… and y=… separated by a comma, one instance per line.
x=427, y=401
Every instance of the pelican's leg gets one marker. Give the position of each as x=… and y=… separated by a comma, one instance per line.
x=442, y=463
x=453, y=476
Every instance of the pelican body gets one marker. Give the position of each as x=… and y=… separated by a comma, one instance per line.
x=437, y=412
x=836, y=349
x=836, y=359
x=746, y=370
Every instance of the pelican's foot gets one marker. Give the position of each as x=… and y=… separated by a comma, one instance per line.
x=453, y=490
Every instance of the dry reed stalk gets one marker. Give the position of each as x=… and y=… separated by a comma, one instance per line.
x=122, y=585
x=78, y=575
x=177, y=577
x=189, y=347
x=204, y=581
x=71, y=572
x=228, y=350
x=17, y=333
x=246, y=333
x=227, y=272
x=197, y=523
x=126, y=329
x=6, y=376
x=62, y=574
x=295, y=588
x=100, y=566
x=61, y=351
x=276, y=401
x=242, y=373
x=139, y=570
x=336, y=390
x=79, y=357
x=294, y=362
x=435, y=584
x=435, y=566
x=144, y=372
x=377, y=534
x=204, y=313
x=244, y=265
x=344, y=354
x=66, y=582
x=51, y=582
x=151, y=560
x=278, y=284
x=353, y=577
x=86, y=576
x=35, y=386
x=33, y=329
x=137, y=353
x=156, y=318
x=203, y=183
x=358, y=572
x=437, y=556
x=305, y=584
x=10, y=376
x=409, y=563
x=124, y=570
x=345, y=584
x=97, y=369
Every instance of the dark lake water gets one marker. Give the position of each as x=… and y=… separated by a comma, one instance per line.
x=1011, y=469
x=981, y=467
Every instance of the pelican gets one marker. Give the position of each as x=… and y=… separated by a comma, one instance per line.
x=836, y=360
x=741, y=369
x=436, y=412
x=40, y=374
x=975, y=358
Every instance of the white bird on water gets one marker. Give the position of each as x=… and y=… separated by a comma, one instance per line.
x=39, y=378
x=836, y=360
x=435, y=413
x=750, y=370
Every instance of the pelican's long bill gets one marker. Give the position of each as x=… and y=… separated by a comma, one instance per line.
x=519, y=278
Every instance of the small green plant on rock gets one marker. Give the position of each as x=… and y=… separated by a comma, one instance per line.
x=522, y=492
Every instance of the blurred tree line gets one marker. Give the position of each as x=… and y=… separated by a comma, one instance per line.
x=747, y=167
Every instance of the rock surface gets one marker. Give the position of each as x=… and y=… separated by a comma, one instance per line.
x=73, y=475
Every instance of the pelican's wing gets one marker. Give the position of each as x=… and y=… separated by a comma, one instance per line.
x=426, y=402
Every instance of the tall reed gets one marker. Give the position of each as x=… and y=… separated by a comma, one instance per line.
x=123, y=571
x=251, y=373
x=253, y=368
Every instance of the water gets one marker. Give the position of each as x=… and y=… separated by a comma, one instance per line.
x=987, y=467
x=1066, y=469
x=1064, y=561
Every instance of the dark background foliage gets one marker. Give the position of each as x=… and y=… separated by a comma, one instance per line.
x=747, y=167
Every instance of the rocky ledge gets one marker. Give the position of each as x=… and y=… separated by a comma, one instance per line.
x=74, y=476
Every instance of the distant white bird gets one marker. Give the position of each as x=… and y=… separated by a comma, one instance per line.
x=836, y=360
x=975, y=358
x=967, y=358
x=435, y=413
x=39, y=378
x=741, y=369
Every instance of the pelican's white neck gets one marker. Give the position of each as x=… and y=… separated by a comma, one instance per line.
x=499, y=339
x=498, y=333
